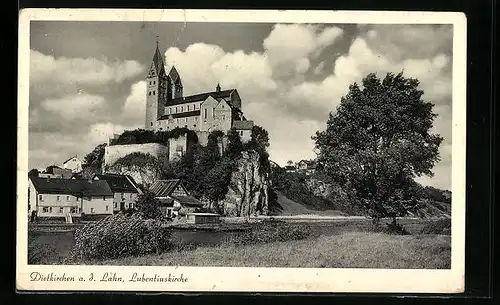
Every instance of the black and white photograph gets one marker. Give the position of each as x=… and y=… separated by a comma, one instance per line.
x=153, y=146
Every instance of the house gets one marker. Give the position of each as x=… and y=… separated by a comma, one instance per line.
x=174, y=197
x=58, y=197
x=54, y=171
x=203, y=218
x=73, y=164
x=124, y=188
x=244, y=129
x=306, y=166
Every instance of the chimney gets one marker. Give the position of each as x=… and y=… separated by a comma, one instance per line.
x=217, y=89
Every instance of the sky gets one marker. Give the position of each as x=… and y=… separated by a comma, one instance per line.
x=87, y=79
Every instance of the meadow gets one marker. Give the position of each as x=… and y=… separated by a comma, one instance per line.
x=338, y=244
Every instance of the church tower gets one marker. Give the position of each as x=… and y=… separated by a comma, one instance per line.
x=156, y=84
x=175, y=89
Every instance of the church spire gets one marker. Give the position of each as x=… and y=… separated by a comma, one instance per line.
x=217, y=89
x=158, y=59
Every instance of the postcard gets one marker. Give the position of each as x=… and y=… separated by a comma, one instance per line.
x=241, y=151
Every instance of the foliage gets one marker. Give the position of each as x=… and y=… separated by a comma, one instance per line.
x=293, y=186
x=93, y=161
x=119, y=236
x=439, y=227
x=142, y=136
x=148, y=206
x=138, y=159
x=234, y=144
x=271, y=231
x=33, y=173
x=378, y=141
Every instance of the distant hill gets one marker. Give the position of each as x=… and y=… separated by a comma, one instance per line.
x=287, y=207
x=295, y=193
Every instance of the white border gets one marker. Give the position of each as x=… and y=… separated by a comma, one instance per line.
x=256, y=279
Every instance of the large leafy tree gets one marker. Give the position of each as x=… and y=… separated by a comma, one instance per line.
x=93, y=161
x=148, y=206
x=378, y=141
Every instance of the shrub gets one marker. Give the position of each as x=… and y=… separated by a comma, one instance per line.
x=120, y=235
x=271, y=231
x=439, y=227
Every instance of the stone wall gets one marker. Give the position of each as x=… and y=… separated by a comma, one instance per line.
x=115, y=152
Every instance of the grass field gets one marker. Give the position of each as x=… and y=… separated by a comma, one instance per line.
x=347, y=250
x=343, y=243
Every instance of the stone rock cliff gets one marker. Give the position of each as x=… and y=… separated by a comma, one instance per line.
x=248, y=189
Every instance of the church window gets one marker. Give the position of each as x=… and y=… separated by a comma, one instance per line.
x=149, y=92
x=153, y=93
x=151, y=123
x=205, y=113
x=187, y=107
x=176, y=109
x=182, y=109
x=154, y=82
x=241, y=133
x=213, y=112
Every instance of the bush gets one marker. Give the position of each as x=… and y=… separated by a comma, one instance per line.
x=271, y=231
x=439, y=227
x=120, y=235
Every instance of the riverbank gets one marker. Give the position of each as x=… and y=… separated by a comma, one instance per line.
x=346, y=250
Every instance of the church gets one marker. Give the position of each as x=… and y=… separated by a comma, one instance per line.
x=168, y=108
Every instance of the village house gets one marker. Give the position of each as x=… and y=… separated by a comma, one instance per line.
x=58, y=197
x=55, y=171
x=73, y=164
x=174, y=198
x=306, y=166
x=124, y=188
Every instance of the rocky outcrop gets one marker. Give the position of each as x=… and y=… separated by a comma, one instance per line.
x=144, y=168
x=248, y=188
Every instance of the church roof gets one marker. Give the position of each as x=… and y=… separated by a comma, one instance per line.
x=71, y=159
x=158, y=60
x=174, y=75
x=218, y=95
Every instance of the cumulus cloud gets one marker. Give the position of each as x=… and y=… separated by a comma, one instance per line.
x=47, y=72
x=279, y=86
x=74, y=106
x=135, y=103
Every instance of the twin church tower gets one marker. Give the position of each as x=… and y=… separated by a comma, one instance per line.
x=168, y=108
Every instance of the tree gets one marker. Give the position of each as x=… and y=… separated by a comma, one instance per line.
x=259, y=138
x=234, y=144
x=378, y=141
x=33, y=173
x=149, y=206
x=93, y=161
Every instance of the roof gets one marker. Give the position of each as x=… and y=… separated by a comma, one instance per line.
x=189, y=201
x=174, y=76
x=218, y=95
x=71, y=159
x=158, y=61
x=243, y=125
x=163, y=188
x=76, y=187
x=119, y=183
x=166, y=202
x=204, y=214
x=97, y=188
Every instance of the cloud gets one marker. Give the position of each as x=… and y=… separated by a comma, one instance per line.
x=49, y=74
x=74, y=106
x=135, y=103
x=289, y=88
